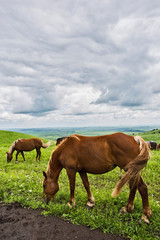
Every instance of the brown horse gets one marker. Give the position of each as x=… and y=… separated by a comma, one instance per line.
x=152, y=145
x=21, y=145
x=98, y=155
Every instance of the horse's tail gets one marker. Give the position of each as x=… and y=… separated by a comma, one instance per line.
x=46, y=145
x=134, y=168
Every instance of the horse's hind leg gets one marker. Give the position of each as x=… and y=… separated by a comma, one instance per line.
x=72, y=177
x=23, y=156
x=142, y=188
x=84, y=178
x=147, y=213
x=38, y=154
x=129, y=207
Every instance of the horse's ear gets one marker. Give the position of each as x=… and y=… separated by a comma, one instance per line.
x=45, y=175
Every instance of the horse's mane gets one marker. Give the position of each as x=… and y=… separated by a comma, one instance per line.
x=53, y=155
x=57, y=150
x=12, y=147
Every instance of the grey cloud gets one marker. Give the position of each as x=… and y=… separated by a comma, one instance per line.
x=49, y=46
x=42, y=101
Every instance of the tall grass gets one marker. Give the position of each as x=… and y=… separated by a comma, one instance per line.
x=22, y=183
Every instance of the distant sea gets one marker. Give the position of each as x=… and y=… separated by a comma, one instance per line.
x=54, y=133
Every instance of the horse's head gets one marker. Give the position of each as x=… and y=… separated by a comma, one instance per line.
x=50, y=188
x=9, y=157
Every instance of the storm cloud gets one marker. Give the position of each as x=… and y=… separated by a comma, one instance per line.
x=65, y=63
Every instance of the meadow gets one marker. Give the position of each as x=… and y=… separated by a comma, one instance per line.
x=22, y=183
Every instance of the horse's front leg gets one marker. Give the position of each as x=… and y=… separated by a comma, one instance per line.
x=84, y=178
x=147, y=213
x=23, y=156
x=17, y=156
x=72, y=177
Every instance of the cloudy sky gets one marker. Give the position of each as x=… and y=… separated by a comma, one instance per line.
x=79, y=63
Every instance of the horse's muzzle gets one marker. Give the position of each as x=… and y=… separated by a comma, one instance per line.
x=46, y=199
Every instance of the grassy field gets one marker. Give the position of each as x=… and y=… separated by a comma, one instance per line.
x=22, y=183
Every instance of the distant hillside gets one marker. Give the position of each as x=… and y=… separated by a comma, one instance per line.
x=54, y=133
x=7, y=137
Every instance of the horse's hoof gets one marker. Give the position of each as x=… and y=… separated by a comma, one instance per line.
x=90, y=204
x=144, y=219
x=123, y=210
x=70, y=205
x=130, y=208
x=74, y=204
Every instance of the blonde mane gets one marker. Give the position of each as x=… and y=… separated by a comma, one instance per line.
x=10, y=151
x=53, y=156
x=58, y=149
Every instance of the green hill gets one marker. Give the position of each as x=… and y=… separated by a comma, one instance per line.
x=151, y=135
x=7, y=137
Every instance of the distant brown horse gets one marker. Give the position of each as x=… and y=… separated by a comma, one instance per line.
x=59, y=140
x=26, y=145
x=98, y=155
x=152, y=145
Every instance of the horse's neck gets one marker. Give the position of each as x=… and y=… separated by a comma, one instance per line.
x=54, y=168
x=12, y=148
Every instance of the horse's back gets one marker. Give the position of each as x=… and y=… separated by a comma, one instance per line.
x=28, y=144
x=98, y=154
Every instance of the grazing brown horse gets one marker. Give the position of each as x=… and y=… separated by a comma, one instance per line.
x=26, y=145
x=98, y=155
x=152, y=145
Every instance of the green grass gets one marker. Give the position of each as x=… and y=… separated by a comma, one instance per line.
x=22, y=183
x=152, y=135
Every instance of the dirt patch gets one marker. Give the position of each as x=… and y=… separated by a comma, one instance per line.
x=19, y=223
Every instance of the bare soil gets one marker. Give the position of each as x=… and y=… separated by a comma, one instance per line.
x=17, y=223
